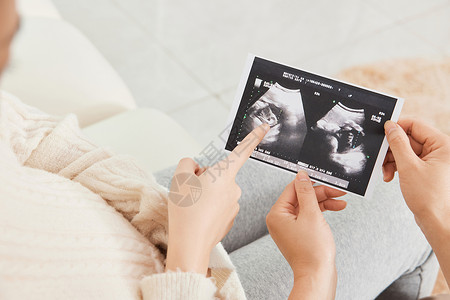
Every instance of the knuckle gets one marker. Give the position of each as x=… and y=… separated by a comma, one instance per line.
x=238, y=192
x=304, y=188
x=231, y=224
x=269, y=219
x=185, y=160
x=414, y=166
x=396, y=137
x=446, y=139
x=236, y=210
x=258, y=133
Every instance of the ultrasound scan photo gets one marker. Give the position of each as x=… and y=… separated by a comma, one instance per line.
x=339, y=139
x=282, y=109
x=331, y=129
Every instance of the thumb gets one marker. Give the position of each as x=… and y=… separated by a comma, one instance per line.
x=186, y=165
x=306, y=196
x=399, y=144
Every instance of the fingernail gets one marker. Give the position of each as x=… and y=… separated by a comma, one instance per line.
x=302, y=176
x=389, y=126
x=266, y=127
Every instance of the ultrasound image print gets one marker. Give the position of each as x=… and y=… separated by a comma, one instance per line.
x=282, y=109
x=339, y=138
x=331, y=129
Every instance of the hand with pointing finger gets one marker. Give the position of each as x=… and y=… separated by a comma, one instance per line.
x=203, y=205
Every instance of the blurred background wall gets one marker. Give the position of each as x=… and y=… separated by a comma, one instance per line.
x=185, y=57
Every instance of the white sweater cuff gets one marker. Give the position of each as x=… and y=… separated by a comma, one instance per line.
x=177, y=285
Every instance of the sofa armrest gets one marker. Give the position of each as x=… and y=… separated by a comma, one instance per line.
x=150, y=136
x=37, y=8
x=56, y=69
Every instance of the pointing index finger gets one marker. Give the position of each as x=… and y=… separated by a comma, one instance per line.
x=245, y=148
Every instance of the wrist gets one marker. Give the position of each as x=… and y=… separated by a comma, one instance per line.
x=318, y=267
x=435, y=227
x=187, y=257
x=325, y=270
x=315, y=284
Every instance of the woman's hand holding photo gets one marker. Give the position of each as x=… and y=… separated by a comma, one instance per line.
x=300, y=231
x=421, y=155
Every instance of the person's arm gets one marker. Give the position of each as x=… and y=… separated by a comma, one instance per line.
x=300, y=231
x=203, y=205
x=57, y=145
x=421, y=155
x=437, y=232
x=318, y=284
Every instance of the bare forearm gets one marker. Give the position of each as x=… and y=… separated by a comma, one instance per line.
x=187, y=258
x=437, y=232
x=320, y=284
x=443, y=257
x=309, y=290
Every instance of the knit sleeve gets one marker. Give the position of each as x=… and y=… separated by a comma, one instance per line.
x=56, y=145
x=40, y=140
x=22, y=127
x=177, y=285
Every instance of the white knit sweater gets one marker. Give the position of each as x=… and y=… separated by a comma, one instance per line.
x=78, y=222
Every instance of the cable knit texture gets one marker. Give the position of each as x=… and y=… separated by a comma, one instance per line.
x=78, y=222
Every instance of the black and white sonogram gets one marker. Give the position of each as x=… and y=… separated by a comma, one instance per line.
x=339, y=139
x=332, y=130
x=282, y=109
